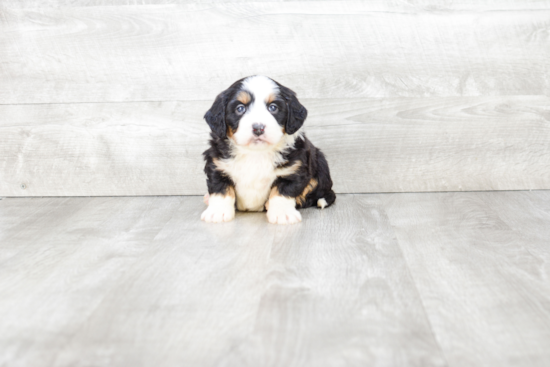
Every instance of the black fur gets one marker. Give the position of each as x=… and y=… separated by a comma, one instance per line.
x=215, y=116
x=221, y=118
x=296, y=114
x=216, y=181
x=314, y=166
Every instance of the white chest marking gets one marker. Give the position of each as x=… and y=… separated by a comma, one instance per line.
x=253, y=174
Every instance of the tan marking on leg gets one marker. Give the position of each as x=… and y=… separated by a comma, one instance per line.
x=274, y=192
x=301, y=199
x=244, y=97
x=289, y=170
x=282, y=209
x=230, y=191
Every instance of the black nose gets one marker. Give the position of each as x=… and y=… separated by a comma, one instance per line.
x=258, y=129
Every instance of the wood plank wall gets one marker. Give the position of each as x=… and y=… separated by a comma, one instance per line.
x=107, y=97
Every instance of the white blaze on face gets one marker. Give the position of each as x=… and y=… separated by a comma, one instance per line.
x=260, y=87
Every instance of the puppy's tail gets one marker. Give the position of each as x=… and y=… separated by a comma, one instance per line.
x=327, y=200
x=326, y=195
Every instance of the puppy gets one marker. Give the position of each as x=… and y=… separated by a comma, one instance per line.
x=258, y=156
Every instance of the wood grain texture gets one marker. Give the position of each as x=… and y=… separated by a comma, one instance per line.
x=338, y=294
x=480, y=262
x=436, y=144
x=321, y=49
x=433, y=279
x=375, y=5
x=103, y=149
x=113, y=290
x=59, y=259
x=372, y=145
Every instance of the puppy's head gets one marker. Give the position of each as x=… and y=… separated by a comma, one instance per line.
x=256, y=112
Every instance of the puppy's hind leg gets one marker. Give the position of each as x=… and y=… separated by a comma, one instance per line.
x=325, y=194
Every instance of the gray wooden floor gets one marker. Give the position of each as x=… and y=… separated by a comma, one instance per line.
x=431, y=279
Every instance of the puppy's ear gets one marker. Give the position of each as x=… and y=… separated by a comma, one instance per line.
x=215, y=116
x=296, y=112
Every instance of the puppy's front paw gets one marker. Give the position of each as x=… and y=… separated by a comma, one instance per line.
x=287, y=217
x=217, y=216
x=220, y=209
x=282, y=210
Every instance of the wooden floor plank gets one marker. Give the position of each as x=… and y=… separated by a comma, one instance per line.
x=428, y=279
x=333, y=290
x=192, y=295
x=60, y=260
x=338, y=293
x=372, y=145
x=480, y=262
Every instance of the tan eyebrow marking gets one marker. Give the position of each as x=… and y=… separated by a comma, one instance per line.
x=270, y=98
x=244, y=97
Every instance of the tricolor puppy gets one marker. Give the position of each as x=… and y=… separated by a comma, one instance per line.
x=258, y=156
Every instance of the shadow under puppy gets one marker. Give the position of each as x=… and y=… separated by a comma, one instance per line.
x=259, y=157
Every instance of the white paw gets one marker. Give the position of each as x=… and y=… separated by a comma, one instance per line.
x=283, y=211
x=220, y=209
x=217, y=216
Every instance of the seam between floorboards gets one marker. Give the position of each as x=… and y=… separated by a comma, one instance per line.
x=434, y=335
x=338, y=193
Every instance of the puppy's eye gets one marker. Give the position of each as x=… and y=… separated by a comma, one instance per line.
x=273, y=107
x=240, y=109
